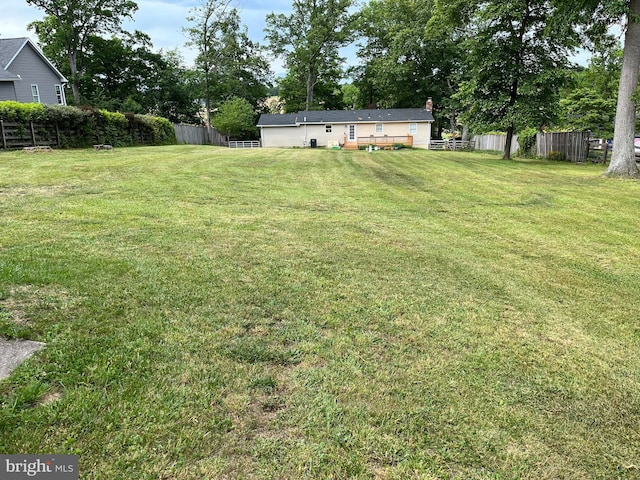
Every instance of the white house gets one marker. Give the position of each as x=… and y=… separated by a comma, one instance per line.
x=348, y=128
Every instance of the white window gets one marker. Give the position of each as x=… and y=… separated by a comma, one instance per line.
x=379, y=128
x=35, y=94
x=413, y=128
x=327, y=128
x=59, y=95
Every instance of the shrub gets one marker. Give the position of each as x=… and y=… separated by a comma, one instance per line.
x=556, y=156
x=21, y=112
x=527, y=141
x=83, y=126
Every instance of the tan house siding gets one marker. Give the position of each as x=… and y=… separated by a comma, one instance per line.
x=300, y=136
x=328, y=128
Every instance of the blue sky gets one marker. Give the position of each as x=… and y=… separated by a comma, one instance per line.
x=162, y=20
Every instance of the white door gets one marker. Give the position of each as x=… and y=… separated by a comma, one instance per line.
x=351, y=129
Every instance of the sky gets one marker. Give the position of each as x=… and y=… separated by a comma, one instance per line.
x=162, y=20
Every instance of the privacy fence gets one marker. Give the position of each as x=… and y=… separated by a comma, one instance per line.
x=495, y=143
x=199, y=135
x=572, y=146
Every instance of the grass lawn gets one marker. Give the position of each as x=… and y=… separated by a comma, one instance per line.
x=288, y=314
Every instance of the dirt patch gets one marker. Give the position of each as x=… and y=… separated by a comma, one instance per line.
x=24, y=298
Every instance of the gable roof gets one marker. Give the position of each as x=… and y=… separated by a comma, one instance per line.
x=277, y=119
x=346, y=116
x=10, y=48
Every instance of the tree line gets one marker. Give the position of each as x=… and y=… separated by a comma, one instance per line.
x=488, y=65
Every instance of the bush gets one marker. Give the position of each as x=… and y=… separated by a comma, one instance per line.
x=22, y=112
x=556, y=156
x=84, y=126
x=527, y=141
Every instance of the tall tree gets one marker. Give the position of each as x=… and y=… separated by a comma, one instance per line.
x=71, y=23
x=309, y=40
x=517, y=54
x=623, y=163
x=408, y=57
x=228, y=62
x=595, y=17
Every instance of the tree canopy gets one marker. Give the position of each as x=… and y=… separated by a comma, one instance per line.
x=309, y=40
x=70, y=25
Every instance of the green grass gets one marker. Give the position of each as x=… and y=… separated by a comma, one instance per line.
x=318, y=314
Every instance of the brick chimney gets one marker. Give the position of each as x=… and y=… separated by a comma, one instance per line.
x=429, y=106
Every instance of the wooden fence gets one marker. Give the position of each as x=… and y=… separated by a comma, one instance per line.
x=198, y=135
x=495, y=143
x=449, y=144
x=21, y=135
x=572, y=146
x=15, y=135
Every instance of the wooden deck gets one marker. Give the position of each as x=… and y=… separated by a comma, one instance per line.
x=386, y=142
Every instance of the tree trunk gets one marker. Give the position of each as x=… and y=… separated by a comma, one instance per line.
x=73, y=68
x=311, y=83
x=623, y=162
x=507, y=143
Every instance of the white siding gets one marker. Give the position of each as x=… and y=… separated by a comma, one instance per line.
x=300, y=136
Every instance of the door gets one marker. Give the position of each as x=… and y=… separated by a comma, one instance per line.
x=351, y=133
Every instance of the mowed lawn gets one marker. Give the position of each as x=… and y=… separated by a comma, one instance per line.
x=290, y=314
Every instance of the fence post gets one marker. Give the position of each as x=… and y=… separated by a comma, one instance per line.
x=57, y=135
x=4, y=137
x=33, y=134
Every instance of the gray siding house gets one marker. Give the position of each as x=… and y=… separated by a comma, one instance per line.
x=27, y=76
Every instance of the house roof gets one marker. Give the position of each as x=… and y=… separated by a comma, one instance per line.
x=277, y=120
x=346, y=116
x=9, y=50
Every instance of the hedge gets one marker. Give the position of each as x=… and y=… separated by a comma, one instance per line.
x=84, y=126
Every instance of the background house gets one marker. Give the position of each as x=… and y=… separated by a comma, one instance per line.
x=26, y=75
x=348, y=128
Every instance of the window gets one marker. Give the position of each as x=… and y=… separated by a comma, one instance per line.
x=35, y=93
x=413, y=128
x=378, y=128
x=327, y=128
x=59, y=95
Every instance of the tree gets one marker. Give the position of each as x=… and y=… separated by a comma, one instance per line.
x=517, y=53
x=623, y=162
x=70, y=24
x=236, y=118
x=409, y=56
x=309, y=41
x=208, y=20
x=595, y=17
x=588, y=102
x=228, y=62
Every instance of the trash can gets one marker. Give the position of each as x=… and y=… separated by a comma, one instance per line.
x=314, y=143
